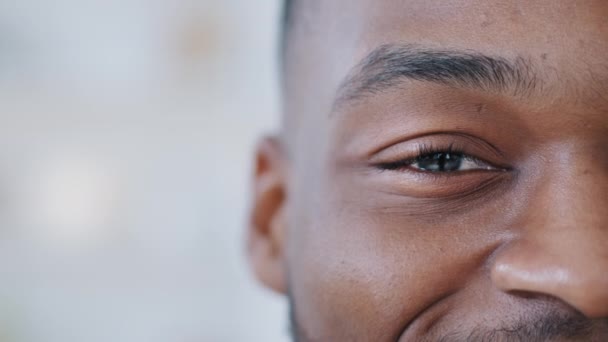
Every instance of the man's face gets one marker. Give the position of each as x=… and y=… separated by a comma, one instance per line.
x=444, y=172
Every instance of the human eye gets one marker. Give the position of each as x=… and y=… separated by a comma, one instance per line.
x=441, y=165
x=439, y=160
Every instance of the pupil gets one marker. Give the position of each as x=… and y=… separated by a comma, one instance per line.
x=440, y=162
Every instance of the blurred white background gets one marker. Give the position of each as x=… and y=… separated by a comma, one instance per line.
x=126, y=137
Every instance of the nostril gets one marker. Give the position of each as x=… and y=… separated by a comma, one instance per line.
x=532, y=295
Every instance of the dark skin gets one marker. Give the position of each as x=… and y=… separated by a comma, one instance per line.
x=442, y=173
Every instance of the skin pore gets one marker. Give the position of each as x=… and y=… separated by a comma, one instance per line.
x=442, y=173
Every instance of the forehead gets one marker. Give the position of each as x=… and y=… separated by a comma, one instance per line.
x=568, y=38
x=474, y=23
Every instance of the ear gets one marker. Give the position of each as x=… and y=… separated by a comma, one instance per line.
x=267, y=223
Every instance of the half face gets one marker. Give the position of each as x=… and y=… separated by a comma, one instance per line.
x=444, y=172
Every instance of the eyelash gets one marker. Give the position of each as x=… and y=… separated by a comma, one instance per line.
x=425, y=151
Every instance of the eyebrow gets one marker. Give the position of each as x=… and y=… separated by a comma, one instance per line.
x=389, y=66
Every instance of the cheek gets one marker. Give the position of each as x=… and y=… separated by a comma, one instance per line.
x=359, y=273
x=347, y=286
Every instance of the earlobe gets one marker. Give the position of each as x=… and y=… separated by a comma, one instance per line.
x=267, y=223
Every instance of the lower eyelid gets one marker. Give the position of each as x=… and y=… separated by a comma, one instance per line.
x=422, y=184
x=433, y=205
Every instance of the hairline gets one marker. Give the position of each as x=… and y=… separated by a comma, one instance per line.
x=285, y=25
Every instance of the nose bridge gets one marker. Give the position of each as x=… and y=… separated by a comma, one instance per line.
x=562, y=250
x=569, y=207
x=576, y=197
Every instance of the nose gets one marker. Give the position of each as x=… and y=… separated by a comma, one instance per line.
x=562, y=246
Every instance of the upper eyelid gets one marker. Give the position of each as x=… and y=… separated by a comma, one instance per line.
x=472, y=146
x=458, y=139
x=422, y=149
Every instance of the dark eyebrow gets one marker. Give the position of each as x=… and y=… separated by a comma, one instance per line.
x=388, y=66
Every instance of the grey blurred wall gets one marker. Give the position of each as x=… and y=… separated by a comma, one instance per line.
x=126, y=132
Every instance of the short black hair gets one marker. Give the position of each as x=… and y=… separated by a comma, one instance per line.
x=286, y=21
x=287, y=6
x=285, y=27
